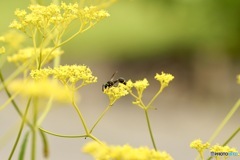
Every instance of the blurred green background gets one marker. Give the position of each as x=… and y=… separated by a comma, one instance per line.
x=198, y=41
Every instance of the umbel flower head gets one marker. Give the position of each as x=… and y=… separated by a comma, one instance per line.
x=43, y=89
x=199, y=146
x=74, y=73
x=219, y=148
x=164, y=79
x=126, y=152
x=116, y=92
x=48, y=18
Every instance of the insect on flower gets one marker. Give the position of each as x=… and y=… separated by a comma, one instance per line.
x=112, y=82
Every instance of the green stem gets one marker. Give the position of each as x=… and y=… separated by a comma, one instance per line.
x=94, y=138
x=149, y=128
x=80, y=116
x=231, y=137
x=20, y=130
x=62, y=135
x=34, y=131
x=13, y=101
x=156, y=95
x=225, y=120
x=101, y=116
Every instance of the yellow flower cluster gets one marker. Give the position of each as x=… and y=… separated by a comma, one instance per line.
x=29, y=53
x=164, y=79
x=126, y=152
x=40, y=74
x=116, y=92
x=219, y=148
x=92, y=14
x=13, y=39
x=67, y=75
x=44, y=89
x=45, y=18
x=141, y=85
x=74, y=73
x=198, y=145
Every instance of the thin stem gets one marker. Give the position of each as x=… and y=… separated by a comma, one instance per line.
x=20, y=130
x=62, y=135
x=149, y=128
x=100, y=117
x=34, y=131
x=156, y=95
x=45, y=112
x=95, y=139
x=225, y=120
x=13, y=101
x=80, y=116
x=232, y=136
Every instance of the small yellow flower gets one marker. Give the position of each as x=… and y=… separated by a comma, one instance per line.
x=92, y=14
x=41, y=89
x=116, y=92
x=219, y=148
x=141, y=85
x=41, y=74
x=70, y=75
x=14, y=39
x=164, y=79
x=125, y=152
x=2, y=50
x=197, y=144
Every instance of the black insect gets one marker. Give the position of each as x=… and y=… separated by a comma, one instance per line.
x=113, y=82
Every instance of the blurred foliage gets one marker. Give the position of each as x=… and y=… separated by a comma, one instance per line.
x=145, y=27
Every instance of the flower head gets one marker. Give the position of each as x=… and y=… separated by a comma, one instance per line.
x=92, y=14
x=164, y=79
x=41, y=74
x=43, y=89
x=199, y=146
x=125, y=152
x=141, y=85
x=219, y=148
x=70, y=75
x=116, y=92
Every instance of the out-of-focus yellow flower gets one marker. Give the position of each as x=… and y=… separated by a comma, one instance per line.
x=197, y=144
x=2, y=50
x=26, y=54
x=116, y=92
x=164, y=79
x=13, y=38
x=41, y=89
x=219, y=148
x=2, y=39
x=70, y=75
x=126, y=152
x=92, y=14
